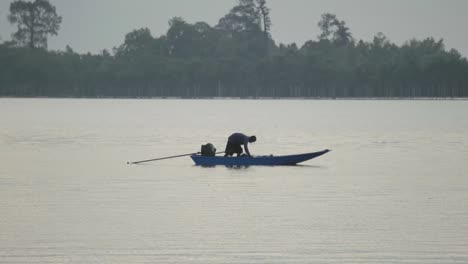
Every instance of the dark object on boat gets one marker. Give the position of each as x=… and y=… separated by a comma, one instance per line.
x=258, y=160
x=208, y=150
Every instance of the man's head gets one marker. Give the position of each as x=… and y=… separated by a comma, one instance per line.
x=252, y=139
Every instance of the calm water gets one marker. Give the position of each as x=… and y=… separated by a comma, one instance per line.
x=393, y=190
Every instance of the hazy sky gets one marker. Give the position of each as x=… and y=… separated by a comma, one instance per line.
x=93, y=25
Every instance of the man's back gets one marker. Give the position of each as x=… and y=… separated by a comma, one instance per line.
x=238, y=139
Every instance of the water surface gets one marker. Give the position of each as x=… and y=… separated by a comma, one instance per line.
x=393, y=190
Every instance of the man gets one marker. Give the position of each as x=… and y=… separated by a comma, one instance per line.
x=234, y=144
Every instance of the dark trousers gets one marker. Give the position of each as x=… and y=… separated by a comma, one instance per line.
x=232, y=149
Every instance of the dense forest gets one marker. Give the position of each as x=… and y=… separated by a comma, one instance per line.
x=235, y=58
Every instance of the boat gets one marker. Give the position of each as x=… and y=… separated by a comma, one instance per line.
x=255, y=160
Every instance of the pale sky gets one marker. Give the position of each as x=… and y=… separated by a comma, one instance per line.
x=93, y=25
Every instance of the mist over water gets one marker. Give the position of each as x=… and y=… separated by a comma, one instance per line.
x=394, y=189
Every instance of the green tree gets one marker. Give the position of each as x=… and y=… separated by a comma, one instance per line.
x=135, y=41
x=266, y=22
x=197, y=60
x=35, y=21
x=342, y=35
x=180, y=37
x=247, y=26
x=334, y=30
x=244, y=17
x=325, y=24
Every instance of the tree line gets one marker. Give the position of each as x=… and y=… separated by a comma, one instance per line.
x=235, y=58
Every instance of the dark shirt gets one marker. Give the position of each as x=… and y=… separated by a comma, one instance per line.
x=240, y=139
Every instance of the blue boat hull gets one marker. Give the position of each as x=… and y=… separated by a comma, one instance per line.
x=259, y=160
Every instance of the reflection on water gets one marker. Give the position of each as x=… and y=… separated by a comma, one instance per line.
x=393, y=190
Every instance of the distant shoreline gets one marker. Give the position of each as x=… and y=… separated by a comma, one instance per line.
x=258, y=98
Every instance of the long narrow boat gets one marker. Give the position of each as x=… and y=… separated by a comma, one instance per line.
x=256, y=160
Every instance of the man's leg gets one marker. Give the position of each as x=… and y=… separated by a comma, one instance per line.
x=228, y=151
x=238, y=150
